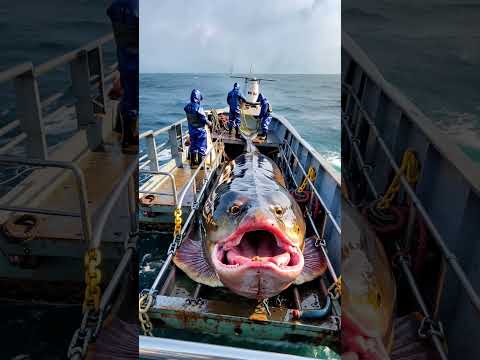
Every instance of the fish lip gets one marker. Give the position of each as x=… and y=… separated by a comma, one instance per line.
x=282, y=241
x=234, y=239
x=291, y=271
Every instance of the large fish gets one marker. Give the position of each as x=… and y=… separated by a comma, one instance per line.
x=368, y=291
x=253, y=233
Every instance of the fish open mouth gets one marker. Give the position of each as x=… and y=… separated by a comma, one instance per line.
x=258, y=248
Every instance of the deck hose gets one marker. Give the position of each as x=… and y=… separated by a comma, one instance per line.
x=314, y=314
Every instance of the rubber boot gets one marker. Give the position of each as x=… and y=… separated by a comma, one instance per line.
x=194, y=160
x=230, y=132
x=130, y=136
x=237, y=133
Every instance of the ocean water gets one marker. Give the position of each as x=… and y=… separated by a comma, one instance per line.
x=430, y=50
x=310, y=102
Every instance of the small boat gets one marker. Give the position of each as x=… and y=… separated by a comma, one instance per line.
x=421, y=195
x=69, y=205
x=174, y=310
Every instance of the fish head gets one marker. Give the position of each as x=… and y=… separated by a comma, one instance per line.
x=255, y=241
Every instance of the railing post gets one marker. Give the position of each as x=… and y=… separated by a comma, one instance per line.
x=29, y=112
x=174, y=146
x=80, y=74
x=95, y=63
x=152, y=152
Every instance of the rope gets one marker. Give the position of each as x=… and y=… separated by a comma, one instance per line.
x=409, y=168
x=22, y=227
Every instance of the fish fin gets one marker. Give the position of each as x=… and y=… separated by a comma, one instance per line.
x=191, y=260
x=315, y=263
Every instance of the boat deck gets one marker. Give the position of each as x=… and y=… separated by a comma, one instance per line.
x=161, y=193
x=102, y=170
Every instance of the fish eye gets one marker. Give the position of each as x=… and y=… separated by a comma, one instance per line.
x=234, y=210
x=279, y=211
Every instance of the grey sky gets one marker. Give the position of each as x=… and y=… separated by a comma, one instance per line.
x=276, y=36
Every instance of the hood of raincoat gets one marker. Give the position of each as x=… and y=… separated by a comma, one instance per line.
x=196, y=96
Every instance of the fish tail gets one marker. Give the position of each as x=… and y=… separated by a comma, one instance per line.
x=249, y=146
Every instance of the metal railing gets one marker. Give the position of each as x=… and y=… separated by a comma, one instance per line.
x=160, y=348
x=447, y=254
x=415, y=207
x=86, y=69
x=84, y=213
x=215, y=157
x=174, y=143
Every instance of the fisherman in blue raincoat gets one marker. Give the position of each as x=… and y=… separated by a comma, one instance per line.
x=264, y=116
x=234, y=98
x=197, y=120
x=125, y=22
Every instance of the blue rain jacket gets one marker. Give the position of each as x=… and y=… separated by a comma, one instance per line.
x=233, y=99
x=264, y=115
x=196, y=123
x=125, y=22
x=124, y=17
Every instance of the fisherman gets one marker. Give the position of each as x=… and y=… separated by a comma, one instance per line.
x=124, y=17
x=264, y=116
x=234, y=98
x=196, y=127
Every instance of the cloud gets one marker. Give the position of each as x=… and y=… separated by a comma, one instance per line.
x=276, y=36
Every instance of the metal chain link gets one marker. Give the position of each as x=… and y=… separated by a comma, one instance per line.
x=82, y=337
x=93, y=278
x=311, y=175
x=428, y=328
x=335, y=290
x=178, y=221
x=144, y=304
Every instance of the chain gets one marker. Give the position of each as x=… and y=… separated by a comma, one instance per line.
x=320, y=242
x=82, y=337
x=178, y=221
x=335, y=290
x=93, y=278
x=428, y=327
x=312, y=175
x=144, y=304
x=409, y=168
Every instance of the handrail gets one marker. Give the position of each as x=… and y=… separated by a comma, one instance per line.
x=312, y=186
x=448, y=255
x=193, y=177
x=169, y=175
x=331, y=270
x=13, y=142
x=161, y=130
x=15, y=71
x=79, y=180
x=161, y=348
x=9, y=127
x=72, y=55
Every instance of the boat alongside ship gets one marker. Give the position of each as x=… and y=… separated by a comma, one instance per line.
x=302, y=320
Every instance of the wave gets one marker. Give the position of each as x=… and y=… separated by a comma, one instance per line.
x=360, y=13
